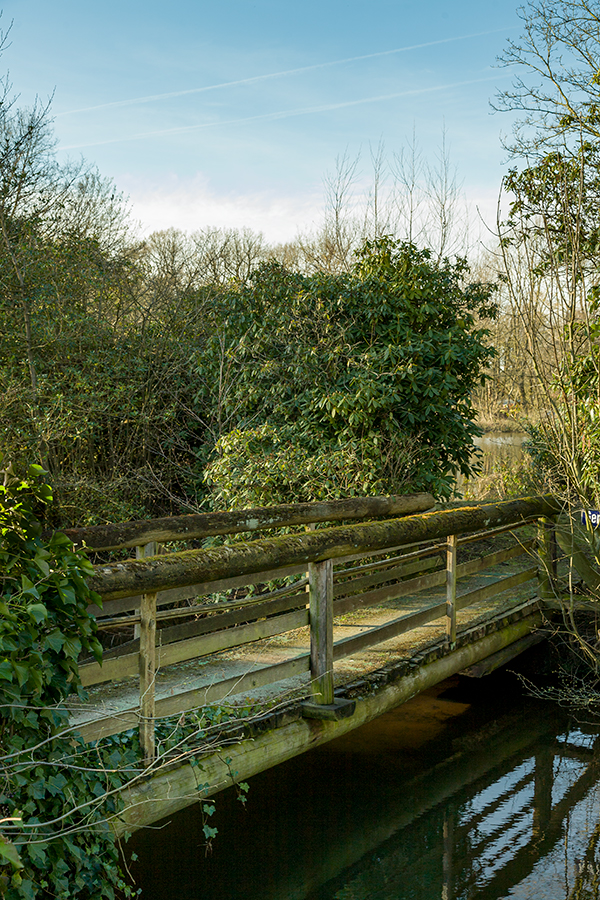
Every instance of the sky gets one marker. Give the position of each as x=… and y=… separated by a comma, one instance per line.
x=231, y=114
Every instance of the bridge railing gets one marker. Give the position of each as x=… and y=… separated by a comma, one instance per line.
x=336, y=571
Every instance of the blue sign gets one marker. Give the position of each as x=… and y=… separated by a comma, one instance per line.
x=590, y=518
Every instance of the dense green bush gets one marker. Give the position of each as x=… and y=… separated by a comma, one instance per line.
x=55, y=792
x=364, y=379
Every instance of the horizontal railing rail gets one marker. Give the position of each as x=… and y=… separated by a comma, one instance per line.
x=201, y=525
x=421, y=554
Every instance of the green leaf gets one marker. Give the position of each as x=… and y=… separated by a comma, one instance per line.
x=55, y=640
x=9, y=853
x=6, y=670
x=38, y=612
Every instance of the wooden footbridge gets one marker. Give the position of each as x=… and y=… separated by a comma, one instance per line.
x=303, y=636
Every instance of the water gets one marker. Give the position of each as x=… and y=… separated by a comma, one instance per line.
x=500, y=452
x=469, y=791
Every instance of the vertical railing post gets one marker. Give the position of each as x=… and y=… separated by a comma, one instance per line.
x=320, y=576
x=141, y=552
x=547, y=558
x=451, y=546
x=147, y=676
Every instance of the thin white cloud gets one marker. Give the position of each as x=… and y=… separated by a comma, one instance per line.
x=258, y=78
x=190, y=204
x=283, y=114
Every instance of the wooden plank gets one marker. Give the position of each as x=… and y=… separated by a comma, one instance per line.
x=424, y=582
x=168, y=635
x=372, y=554
x=357, y=584
x=147, y=671
x=451, y=567
x=204, y=645
x=493, y=532
x=351, y=645
x=176, y=595
x=403, y=557
x=250, y=557
x=496, y=587
x=188, y=700
x=200, y=525
x=493, y=662
x=389, y=592
x=141, y=552
x=320, y=579
x=204, y=609
x=377, y=635
x=208, y=625
x=473, y=566
x=547, y=557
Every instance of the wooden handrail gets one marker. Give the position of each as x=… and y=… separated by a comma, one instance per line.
x=201, y=525
x=131, y=577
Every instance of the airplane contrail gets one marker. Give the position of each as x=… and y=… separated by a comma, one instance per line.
x=257, y=78
x=284, y=114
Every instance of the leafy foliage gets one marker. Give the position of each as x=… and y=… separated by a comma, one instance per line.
x=55, y=792
x=265, y=465
x=354, y=372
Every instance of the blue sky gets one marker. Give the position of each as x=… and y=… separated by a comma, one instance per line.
x=231, y=113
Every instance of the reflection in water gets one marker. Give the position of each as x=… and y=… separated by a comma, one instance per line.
x=500, y=452
x=438, y=799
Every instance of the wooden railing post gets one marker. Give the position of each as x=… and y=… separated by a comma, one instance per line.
x=320, y=577
x=451, y=547
x=147, y=676
x=141, y=552
x=547, y=558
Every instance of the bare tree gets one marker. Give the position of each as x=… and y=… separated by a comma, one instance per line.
x=556, y=88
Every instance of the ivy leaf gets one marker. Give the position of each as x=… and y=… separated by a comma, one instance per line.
x=56, y=784
x=37, y=853
x=28, y=587
x=6, y=670
x=42, y=565
x=38, y=612
x=9, y=853
x=55, y=640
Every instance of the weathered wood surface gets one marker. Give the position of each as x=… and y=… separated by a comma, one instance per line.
x=208, y=624
x=192, y=591
x=194, y=647
x=193, y=566
x=200, y=525
x=147, y=671
x=320, y=577
x=425, y=582
x=106, y=725
x=451, y=576
x=261, y=606
x=402, y=624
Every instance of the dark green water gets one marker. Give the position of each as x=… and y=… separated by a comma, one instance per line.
x=470, y=791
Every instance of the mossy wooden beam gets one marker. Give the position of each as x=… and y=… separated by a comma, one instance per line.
x=200, y=525
x=193, y=566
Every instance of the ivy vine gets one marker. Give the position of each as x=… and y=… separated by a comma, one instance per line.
x=56, y=792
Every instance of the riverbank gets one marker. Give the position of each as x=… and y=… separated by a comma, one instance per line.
x=503, y=424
